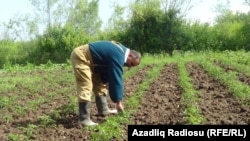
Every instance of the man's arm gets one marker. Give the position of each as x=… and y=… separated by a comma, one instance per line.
x=119, y=105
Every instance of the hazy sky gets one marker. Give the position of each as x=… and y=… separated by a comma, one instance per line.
x=203, y=11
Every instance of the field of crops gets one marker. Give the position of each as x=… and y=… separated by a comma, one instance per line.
x=39, y=102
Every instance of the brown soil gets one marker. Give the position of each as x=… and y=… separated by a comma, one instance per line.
x=217, y=103
x=161, y=104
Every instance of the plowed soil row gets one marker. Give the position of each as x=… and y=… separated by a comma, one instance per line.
x=241, y=76
x=217, y=103
x=161, y=104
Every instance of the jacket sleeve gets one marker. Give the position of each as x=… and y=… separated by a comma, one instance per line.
x=115, y=72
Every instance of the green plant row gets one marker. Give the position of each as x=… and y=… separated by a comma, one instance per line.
x=189, y=96
x=239, y=89
x=244, y=68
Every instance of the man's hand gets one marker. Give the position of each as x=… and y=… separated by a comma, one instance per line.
x=106, y=85
x=119, y=107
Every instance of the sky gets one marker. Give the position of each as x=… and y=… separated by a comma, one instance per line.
x=205, y=10
x=202, y=11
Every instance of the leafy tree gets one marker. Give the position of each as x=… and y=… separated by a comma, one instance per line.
x=20, y=28
x=245, y=31
x=153, y=29
x=84, y=16
x=58, y=40
x=57, y=44
x=199, y=37
x=7, y=52
x=43, y=10
x=182, y=6
x=230, y=26
x=117, y=25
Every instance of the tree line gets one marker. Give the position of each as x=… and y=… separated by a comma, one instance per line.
x=151, y=26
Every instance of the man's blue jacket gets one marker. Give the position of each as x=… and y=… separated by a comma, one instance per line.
x=109, y=59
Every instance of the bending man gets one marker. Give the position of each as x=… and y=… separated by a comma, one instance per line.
x=95, y=65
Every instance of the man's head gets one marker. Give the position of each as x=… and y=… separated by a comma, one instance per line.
x=134, y=59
